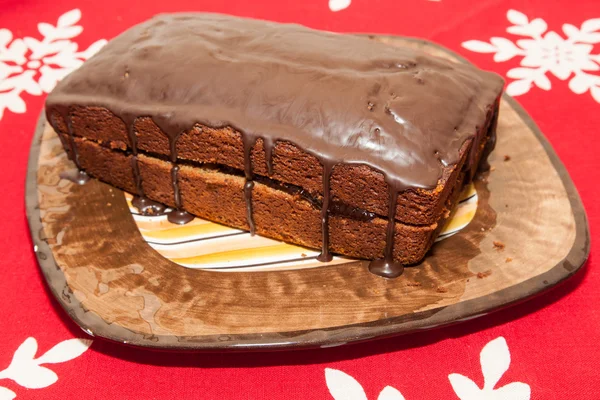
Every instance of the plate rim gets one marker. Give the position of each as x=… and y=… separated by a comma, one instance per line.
x=437, y=317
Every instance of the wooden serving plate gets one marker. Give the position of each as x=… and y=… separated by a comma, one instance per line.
x=115, y=286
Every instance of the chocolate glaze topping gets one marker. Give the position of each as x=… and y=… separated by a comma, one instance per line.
x=344, y=99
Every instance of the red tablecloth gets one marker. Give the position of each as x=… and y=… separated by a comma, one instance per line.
x=547, y=50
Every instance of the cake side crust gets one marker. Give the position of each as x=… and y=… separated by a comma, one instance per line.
x=356, y=185
x=219, y=197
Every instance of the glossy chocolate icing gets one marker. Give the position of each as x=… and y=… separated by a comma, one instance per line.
x=344, y=99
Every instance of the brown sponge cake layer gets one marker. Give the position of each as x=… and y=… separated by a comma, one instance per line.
x=356, y=185
x=219, y=197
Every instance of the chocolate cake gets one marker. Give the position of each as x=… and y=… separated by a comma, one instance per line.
x=325, y=140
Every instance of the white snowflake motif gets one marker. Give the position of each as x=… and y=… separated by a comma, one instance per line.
x=338, y=5
x=495, y=360
x=546, y=51
x=35, y=66
x=26, y=370
x=344, y=387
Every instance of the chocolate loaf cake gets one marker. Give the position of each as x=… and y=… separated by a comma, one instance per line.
x=325, y=140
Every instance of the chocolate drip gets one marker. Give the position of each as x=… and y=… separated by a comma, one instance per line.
x=490, y=145
x=488, y=133
x=65, y=113
x=174, y=131
x=68, y=120
x=178, y=216
x=249, y=185
x=387, y=267
x=176, y=194
x=129, y=121
x=76, y=176
x=136, y=175
x=144, y=205
x=173, y=147
x=268, y=145
x=325, y=255
x=148, y=207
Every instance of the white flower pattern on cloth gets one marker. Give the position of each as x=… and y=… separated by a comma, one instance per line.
x=547, y=52
x=26, y=370
x=344, y=387
x=34, y=66
x=494, y=358
x=338, y=5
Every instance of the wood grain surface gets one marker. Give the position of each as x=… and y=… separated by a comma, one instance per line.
x=530, y=232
